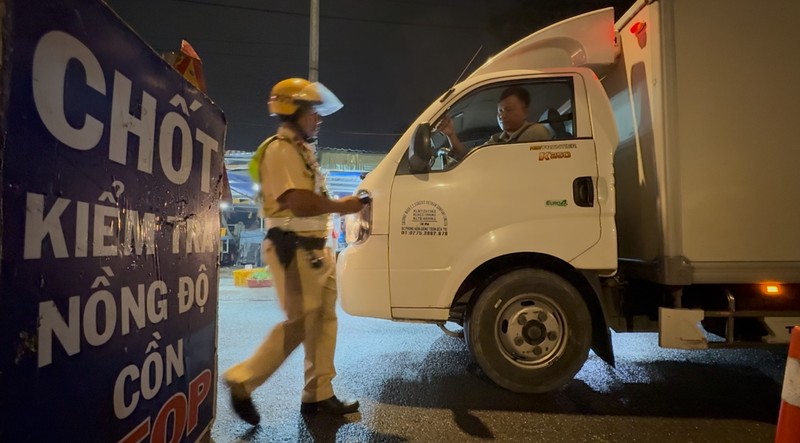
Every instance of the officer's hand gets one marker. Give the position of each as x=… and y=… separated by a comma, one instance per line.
x=349, y=205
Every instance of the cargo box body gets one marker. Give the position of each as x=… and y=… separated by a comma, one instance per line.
x=705, y=98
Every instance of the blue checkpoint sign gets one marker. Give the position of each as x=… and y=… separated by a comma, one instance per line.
x=111, y=173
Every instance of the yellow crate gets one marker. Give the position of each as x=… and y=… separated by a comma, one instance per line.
x=240, y=276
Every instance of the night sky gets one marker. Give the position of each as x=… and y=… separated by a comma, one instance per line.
x=385, y=59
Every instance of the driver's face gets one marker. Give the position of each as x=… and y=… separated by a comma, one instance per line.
x=511, y=113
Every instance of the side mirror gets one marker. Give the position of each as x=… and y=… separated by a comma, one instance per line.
x=420, y=150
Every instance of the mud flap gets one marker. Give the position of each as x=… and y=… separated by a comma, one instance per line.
x=680, y=329
x=780, y=328
x=601, y=334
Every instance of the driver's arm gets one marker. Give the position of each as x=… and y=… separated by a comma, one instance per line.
x=447, y=128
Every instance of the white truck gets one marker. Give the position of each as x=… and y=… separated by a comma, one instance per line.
x=665, y=200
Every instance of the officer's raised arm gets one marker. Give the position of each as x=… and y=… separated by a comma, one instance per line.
x=305, y=203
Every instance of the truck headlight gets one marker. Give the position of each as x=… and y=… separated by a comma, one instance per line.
x=357, y=226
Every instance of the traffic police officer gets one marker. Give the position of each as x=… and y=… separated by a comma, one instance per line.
x=297, y=210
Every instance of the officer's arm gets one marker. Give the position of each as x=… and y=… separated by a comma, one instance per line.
x=305, y=203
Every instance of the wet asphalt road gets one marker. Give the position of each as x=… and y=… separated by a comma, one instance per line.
x=417, y=384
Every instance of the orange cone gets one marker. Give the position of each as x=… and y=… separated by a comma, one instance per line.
x=789, y=417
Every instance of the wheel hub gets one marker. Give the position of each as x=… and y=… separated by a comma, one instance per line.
x=534, y=332
x=531, y=329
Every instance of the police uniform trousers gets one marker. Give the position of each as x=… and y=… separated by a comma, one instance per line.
x=308, y=296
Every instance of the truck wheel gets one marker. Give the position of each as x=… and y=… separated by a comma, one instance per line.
x=529, y=331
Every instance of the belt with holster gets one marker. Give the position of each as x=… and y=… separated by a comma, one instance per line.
x=287, y=242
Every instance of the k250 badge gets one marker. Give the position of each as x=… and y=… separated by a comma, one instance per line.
x=543, y=156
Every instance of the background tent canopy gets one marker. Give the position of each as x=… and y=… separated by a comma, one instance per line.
x=241, y=185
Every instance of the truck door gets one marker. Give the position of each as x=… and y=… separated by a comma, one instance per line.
x=534, y=193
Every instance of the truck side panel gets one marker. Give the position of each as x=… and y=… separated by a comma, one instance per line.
x=735, y=95
x=706, y=158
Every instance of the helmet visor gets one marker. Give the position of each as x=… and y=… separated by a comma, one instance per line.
x=325, y=102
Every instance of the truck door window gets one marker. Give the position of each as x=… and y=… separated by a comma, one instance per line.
x=492, y=115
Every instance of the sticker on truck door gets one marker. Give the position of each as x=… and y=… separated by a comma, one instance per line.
x=424, y=218
x=559, y=147
x=553, y=152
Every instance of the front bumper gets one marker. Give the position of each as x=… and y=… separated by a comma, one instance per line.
x=362, y=278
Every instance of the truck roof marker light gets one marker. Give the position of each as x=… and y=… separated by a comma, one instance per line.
x=771, y=289
x=638, y=27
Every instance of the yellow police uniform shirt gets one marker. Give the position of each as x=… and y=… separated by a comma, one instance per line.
x=283, y=168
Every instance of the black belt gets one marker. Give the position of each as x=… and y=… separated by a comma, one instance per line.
x=287, y=242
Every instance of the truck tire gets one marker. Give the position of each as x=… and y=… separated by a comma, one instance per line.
x=529, y=330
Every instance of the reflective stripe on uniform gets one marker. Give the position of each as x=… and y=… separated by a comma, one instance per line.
x=300, y=224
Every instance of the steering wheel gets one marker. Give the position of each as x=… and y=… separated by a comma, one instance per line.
x=444, y=151
x=447, y=159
